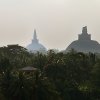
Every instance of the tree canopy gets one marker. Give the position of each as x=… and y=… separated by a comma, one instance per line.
x=59, y=76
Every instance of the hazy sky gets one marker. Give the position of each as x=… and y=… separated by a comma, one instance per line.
x=58, y=22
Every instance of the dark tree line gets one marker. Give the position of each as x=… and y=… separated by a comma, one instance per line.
x=59, y=76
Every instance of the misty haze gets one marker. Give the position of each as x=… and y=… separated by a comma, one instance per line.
x=49, y=50
x=60, y=19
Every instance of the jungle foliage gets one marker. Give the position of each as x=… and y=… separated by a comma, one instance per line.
x=59, y=76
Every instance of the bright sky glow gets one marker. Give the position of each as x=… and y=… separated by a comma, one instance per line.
x=58, y=22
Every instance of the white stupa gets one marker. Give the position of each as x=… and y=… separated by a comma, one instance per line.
x=35, y=46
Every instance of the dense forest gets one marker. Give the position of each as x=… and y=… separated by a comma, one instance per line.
x=58, y=76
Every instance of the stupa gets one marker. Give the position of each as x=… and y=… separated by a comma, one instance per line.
x=84, y=43
x=35, y=46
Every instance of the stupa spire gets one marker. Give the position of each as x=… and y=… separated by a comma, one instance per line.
x=84, y=30
x=84, y=36
x=35, y=36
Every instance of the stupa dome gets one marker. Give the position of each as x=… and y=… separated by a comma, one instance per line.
x=84, y=43
x=35, y=45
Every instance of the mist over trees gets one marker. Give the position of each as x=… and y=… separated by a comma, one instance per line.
x=58, y=76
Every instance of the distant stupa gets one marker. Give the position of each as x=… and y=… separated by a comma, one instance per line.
x=84, y=43
x=35, y=45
